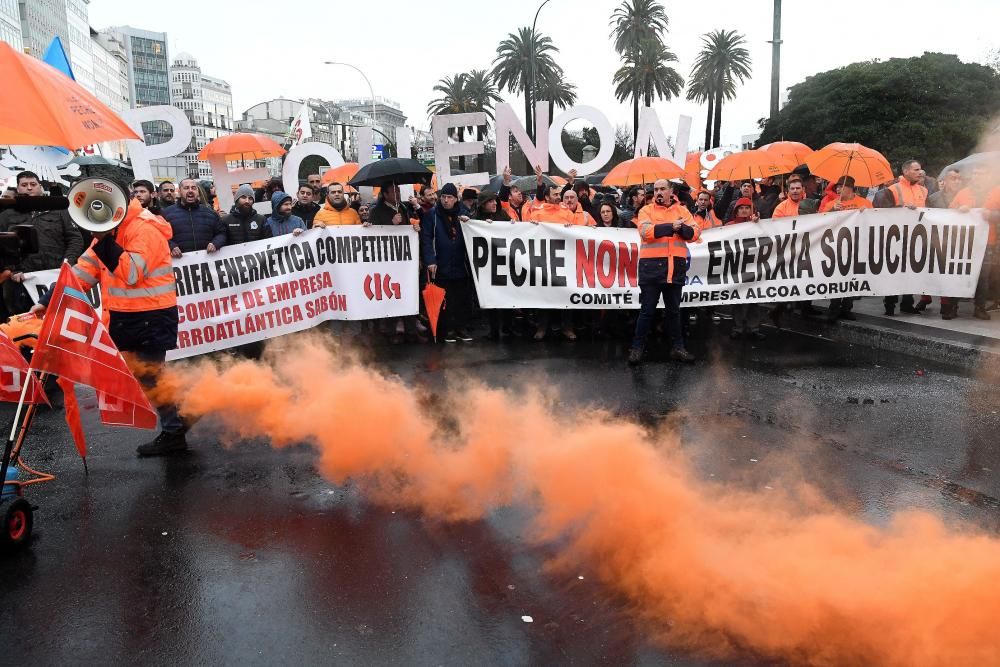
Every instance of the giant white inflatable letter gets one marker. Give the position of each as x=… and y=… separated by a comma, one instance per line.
x=294, y=158
x=140, y=153
x=444, y=149
x=604, y=131
x=508, y=125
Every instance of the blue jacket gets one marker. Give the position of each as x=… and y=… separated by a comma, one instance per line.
x=279, y=225
x=439, y=248
x=194, y=227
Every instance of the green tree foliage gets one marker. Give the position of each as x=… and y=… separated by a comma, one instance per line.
x=513, y=64
x=722, y=62
x=932, y=108
x=638, y=28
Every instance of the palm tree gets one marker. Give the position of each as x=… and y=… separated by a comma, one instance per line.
x=482, y=95
x=512, y=66
x=638, y=26
x=454, y=99
x=722, y=63
x=647, y=74
x=556, y=90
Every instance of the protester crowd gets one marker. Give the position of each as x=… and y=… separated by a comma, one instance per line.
x=192, y=211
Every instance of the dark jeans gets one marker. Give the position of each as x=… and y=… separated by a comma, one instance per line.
x=153, y=361
x=891, y=301
x=844, y=305
x=649, y=299
x=457, y=304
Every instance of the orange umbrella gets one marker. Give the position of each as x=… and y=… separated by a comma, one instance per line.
x=242, y=146
x=44, y=107
x=792, y=151
x=642, y=170
x=341, y=174
x=433, y=300
x=866, y=165
x=748, y=165
x=692, y=171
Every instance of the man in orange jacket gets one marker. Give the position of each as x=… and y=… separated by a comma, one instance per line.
x=908, y=191
x=847, y=200
x=336, y=210
x=980, y=193
x=132, y=264
x=665, y=227
x=574, y=211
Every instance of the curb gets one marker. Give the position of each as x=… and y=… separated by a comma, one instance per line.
x=948, y=347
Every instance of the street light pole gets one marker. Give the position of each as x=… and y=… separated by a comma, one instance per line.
x=534, y=118
x=776, y=60
x=370, y=89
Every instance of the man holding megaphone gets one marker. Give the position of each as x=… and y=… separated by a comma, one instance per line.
x=130, y=258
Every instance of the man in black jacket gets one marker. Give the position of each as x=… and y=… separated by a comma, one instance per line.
x=196, y=226
x=58, y=239
x=305, y=206
x=244, y=224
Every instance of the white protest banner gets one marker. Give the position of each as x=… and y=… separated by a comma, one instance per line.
x=877, y=252
x=253, y=291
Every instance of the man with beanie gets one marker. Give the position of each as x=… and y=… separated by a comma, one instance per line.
x=305, y=206
x=245, y=224
x=336, y=211
x=282, y=221
x=469, y=197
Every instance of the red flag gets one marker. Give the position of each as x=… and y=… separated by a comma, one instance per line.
x=13, y=371
x=74, y=344
x=120, y=413
x=73, y=415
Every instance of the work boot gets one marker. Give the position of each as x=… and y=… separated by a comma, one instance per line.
x=569, y=333
x=949, y=314
x=463, y=336
x=680, y=354
x=920, y=307
x=910, y=310
x=981, y=314
x=890, y=311
x=635, y=356
x=540, y=333
x=165, y=444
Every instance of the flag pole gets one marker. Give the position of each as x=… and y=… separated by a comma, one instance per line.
x=9, y=447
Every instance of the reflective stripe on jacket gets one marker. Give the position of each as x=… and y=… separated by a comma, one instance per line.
x=143, y=277
x=665, y=255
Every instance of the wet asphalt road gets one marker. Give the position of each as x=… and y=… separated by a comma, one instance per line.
x=246, y=556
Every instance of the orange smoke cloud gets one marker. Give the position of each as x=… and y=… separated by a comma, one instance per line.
x=712, y=569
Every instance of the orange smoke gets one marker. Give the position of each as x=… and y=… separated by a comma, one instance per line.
x=711, y=569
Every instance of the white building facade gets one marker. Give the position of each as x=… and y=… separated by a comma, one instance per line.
x=208, y=104
x=10, y=24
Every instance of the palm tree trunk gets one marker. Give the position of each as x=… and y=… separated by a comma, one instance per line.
x=461, y=158
x=635, y=118
x=717, y=132
x=527, y=121
x=708, y=122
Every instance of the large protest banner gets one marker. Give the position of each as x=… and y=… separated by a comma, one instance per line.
x=252, y=291
x=876, y=252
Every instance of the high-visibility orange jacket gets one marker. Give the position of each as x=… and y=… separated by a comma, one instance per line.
x=132, y=265
x=990, y=202
x=581, y=217
x=330, y=216
x=905, y=193
x=663, y=255
x=855, y=203
x=709, y=221
x=786, y=209
x=547, y=212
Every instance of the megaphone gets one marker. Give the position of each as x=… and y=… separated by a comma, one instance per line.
x=97, y=204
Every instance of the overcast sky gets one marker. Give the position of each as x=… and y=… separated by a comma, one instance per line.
x=268, y=49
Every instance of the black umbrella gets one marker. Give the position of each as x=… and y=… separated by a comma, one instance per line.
x=393, y=171
x=530, y=183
